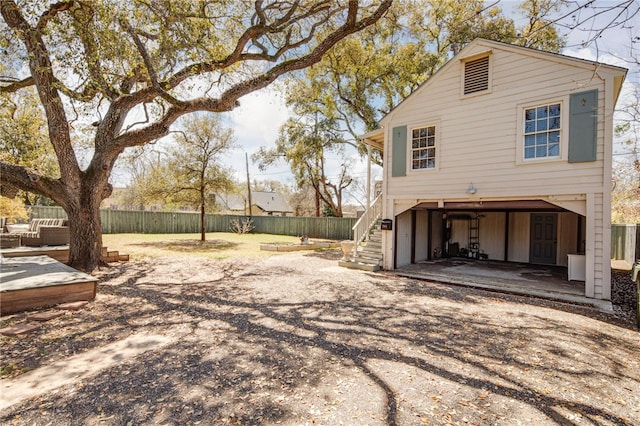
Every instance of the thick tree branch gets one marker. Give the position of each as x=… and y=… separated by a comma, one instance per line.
x=228, y=99
x=349, y=27
x=50, y=13
x=42, y=74
x=153, y=76
x=29, y=180
x=14, y=86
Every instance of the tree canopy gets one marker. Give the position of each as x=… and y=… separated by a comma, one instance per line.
x=191, y=173
x=364, y=77
x=304, y=142
x=115, y=75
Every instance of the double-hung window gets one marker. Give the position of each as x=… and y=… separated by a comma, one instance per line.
x=423, y=148
x=542, y=131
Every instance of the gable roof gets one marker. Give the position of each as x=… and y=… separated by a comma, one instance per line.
x=265, y=200
x=374, y=136
x=270, y=201
x=233, y=202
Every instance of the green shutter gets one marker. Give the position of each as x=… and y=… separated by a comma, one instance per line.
x=399, y=152
x=583, y=126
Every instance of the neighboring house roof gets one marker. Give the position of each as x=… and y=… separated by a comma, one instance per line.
x=233, y=202
x=270, y=202
x=376, y=137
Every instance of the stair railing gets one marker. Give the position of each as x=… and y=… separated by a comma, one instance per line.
x=367, y=220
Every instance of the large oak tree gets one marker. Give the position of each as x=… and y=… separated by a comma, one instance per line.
x=116, y=74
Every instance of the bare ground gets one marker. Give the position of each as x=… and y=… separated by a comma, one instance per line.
x=294, y=339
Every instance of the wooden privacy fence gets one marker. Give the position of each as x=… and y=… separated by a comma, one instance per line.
x=625, y=239
x=625, y=242
x=149, y=222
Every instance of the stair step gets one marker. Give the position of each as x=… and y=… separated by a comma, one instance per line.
x=359, y=265
x=376, y=257
x=369, y=252
x=367, y=261
x=111, y=256
x=373, y=244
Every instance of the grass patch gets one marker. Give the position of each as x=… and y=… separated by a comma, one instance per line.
x=218, y=245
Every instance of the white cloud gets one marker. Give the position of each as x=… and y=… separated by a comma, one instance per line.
x=257, y=120
x=256, y=123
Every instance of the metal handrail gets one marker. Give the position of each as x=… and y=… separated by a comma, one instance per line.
x=367, y=220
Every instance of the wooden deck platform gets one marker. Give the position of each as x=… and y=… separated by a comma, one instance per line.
x=38, y=281
x=60, y=253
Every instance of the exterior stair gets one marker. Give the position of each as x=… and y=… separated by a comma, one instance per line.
x=368, y=255
x=111, y=256
x=367, y=240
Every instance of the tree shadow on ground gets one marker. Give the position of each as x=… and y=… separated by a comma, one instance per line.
x=445, y=354
x=190, y=245
x=328, y=254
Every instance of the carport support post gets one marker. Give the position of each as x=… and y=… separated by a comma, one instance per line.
x=589, y=288
x=506, y=236
x=368, y=176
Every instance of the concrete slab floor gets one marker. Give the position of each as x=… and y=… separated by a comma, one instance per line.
x=545, y=281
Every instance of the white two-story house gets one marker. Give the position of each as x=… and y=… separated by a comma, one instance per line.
x=504, y=154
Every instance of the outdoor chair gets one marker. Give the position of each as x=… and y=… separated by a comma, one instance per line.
x=46, y=232
x=7, y=240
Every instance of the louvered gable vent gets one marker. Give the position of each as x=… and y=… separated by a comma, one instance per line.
x=476, y=75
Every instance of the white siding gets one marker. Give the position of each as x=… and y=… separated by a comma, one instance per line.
x=567, y=237
x=403, y=238
x=492, y=234
x=460, y=232
x=422, y=235
x=479, y=142
x=519, y=237
x=599, y=258
x=436, y=230
x=478, y=135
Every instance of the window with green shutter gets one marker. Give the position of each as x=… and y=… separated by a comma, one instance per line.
x=423, y=148
x=542, y=131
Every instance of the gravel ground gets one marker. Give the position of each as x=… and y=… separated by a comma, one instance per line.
x=293, y=339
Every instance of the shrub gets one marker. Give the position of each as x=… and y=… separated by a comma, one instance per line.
x=243, y=226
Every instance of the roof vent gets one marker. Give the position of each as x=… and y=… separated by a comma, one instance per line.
x=476, y=75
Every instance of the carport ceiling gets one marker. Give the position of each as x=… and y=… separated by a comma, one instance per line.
x=521, y=205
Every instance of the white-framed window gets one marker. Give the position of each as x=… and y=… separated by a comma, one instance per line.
x=542, y=131
x=423, y=148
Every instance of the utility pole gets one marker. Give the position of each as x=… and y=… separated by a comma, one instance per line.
x=246, y=157
x=317, y=186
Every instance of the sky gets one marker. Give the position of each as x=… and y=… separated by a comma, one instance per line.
x=256, y=124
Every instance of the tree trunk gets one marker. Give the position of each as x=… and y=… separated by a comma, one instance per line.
x=202, y=223
x=85, y=237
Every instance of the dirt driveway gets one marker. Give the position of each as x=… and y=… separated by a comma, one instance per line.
x=294, y=339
